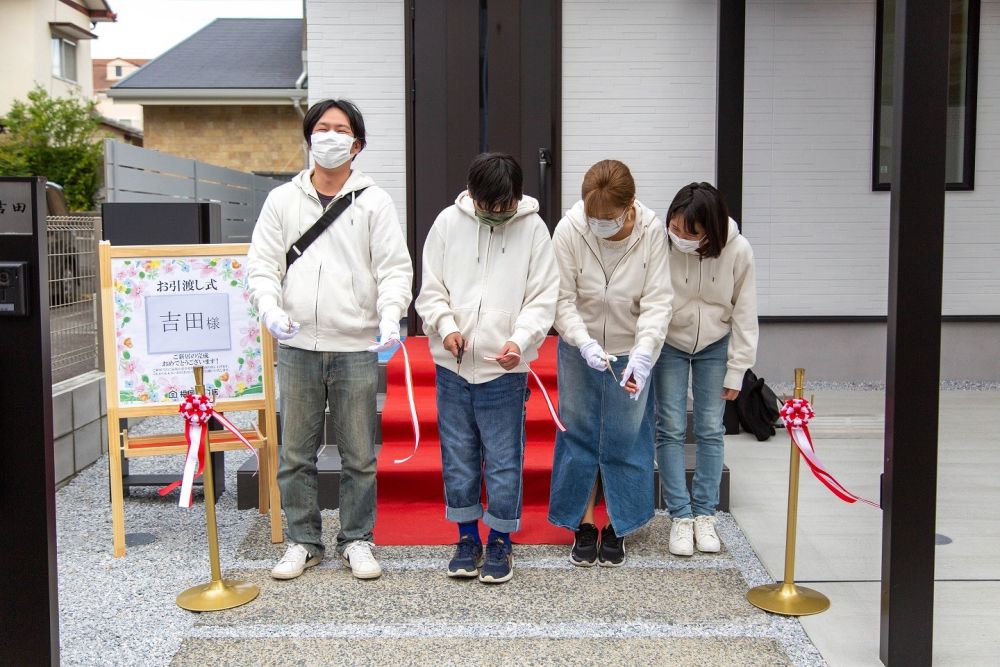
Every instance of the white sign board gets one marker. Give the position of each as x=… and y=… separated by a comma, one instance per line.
x=174, y=313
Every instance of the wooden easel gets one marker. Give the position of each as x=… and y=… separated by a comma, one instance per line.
x=264, y=437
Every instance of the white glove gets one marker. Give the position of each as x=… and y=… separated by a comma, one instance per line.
x=640, y=363
x=388, y=336
x=595, y=356
x=279, y=323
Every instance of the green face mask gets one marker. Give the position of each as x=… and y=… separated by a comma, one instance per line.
x=494, y=219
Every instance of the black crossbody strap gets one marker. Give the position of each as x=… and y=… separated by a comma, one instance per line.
x=320, y=226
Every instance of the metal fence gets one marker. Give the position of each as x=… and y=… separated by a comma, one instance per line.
x=73, y=287
x=133, y=174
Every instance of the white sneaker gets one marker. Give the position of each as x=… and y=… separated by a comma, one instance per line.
x=294, y=562
x=705, y=537
x=682, y=537
x=363, y=565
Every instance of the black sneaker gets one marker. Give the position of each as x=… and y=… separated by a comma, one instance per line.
x=584, y=553
x=612, y=552
x=499, y=564
x=467, y=560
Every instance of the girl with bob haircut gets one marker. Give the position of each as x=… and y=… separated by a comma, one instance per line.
x=612, y=314
x=712, y=338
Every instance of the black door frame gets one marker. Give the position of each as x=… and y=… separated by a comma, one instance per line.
x=443, y=120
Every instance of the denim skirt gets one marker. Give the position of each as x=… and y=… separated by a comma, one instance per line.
x=606, y=433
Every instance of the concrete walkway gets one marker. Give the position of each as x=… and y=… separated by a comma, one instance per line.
x=839, y=545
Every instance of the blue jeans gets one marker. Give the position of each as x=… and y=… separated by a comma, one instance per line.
x=670, y=383
x=348, y=383
x=482, y=437
x=605, y=435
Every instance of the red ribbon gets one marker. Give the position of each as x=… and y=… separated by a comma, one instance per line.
x=198, y=410
x=796, y=414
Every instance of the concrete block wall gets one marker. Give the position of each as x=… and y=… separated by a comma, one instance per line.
x=79, y=424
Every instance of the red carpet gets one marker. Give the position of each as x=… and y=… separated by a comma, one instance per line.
x=411, y=494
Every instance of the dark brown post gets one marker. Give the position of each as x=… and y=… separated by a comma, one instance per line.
x=916, y=244
x=729, y=105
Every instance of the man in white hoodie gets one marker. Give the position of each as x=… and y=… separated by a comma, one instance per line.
x=487, y=300
x=325, y=300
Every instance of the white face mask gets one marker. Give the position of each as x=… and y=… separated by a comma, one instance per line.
x=684, y=245
x=331, y=149
x=605, y=229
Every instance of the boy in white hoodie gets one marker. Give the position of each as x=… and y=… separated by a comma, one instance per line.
x=325, y=302
x=489, y=289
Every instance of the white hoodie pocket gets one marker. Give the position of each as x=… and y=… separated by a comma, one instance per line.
x=338, y=308
x=495, y=329
x=299, y=292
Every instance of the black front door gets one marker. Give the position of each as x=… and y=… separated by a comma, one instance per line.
x=481, y=76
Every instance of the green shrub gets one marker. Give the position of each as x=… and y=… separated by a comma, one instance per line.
x=54, y=137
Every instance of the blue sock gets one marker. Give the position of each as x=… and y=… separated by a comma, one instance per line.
x=494, y=534
x=470, y=528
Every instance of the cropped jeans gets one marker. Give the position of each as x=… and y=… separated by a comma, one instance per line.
x=482, y=438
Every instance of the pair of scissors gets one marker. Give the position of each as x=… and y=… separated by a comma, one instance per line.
x=461, y=353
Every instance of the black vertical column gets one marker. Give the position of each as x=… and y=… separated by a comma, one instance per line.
x=916, y=243
x=729, y=105
x=28, y=590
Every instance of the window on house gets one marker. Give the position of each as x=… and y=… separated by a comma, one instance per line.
x=118, y=71
x=962, y=67
x=64, y=59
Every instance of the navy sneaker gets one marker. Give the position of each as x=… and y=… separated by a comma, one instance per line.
x=584, y=552
x=467, y=560
x=499, y=564
x=612, y=548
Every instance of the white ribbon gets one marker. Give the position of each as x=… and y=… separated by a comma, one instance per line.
x=196, y=435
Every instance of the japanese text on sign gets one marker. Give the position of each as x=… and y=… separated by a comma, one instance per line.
x=196, y=322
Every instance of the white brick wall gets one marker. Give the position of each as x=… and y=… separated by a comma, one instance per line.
x=639, y=86
x=356, y=50
x=817, y=228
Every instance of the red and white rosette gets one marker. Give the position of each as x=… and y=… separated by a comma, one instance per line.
x=796, y=414
x=198, y=410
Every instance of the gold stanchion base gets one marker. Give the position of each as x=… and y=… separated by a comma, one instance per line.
x=788, y=599
x=217, y=595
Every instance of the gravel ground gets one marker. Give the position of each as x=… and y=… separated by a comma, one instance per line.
x=122, y=611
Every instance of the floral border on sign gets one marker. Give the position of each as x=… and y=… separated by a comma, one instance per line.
x=131, y=282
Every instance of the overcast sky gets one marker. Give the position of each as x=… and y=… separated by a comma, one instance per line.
x=147, y=28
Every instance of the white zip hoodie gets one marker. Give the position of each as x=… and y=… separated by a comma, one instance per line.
x=628, y=311
x=356, y=273
x=713, y=297
x=491, y=284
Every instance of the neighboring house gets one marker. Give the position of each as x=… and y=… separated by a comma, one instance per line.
x=108, y=72
x=232, y=94
x=123, y=132
x=637, y=80
x=47, y=43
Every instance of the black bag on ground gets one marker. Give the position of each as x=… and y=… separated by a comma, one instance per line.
x=757, y=407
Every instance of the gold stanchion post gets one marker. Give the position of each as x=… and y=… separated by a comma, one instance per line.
x=787, y=598
x=219, y=593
